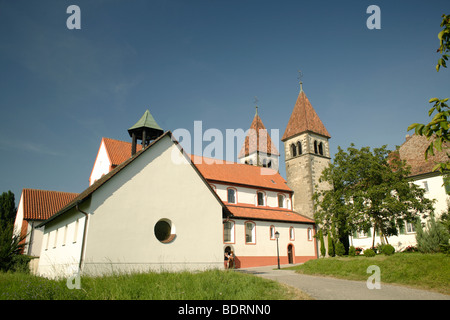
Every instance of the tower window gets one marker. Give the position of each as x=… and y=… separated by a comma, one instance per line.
x=315, y=147
x=299, y=147
x=293, y=150
x=321, y=148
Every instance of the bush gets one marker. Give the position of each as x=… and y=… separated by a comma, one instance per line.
x=388, y=249
x=331, y=252
x=352, y=251
x=340, y=249
x=433, y=238
x=369, y=253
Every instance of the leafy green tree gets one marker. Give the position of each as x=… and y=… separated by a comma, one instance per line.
x=438, y=129
x=371, y=189
x=7, y=208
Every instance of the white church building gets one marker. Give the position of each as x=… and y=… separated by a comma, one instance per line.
x=155, y=207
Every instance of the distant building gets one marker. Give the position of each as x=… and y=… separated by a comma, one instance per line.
x=413, y=151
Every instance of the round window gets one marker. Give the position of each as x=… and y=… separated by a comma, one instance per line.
x=164, y=231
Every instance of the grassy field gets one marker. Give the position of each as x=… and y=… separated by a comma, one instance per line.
x=423, y=271
x=209, y=285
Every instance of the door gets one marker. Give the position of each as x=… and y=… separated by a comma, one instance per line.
x=290, y=254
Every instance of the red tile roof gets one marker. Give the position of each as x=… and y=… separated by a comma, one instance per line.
x=304, y=118
x=42, y=204
x=258, y=139
x=266, y=213
x=413, y=151
x=241, y=174
x=118, y=151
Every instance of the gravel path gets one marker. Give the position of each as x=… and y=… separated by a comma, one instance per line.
x=326, y=288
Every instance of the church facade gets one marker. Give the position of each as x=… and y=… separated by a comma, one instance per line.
x=145, y=211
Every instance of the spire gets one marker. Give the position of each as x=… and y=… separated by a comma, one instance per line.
x=257, y=139
x=145, y=129
x=304, y=118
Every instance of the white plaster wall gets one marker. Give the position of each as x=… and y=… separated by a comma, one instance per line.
x=61, y=246
x=126, y=208
x=102, y=164
x=246, y=195
x=265, y=246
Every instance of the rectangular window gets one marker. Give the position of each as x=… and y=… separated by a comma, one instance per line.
x=56, y=239
x=249, y=232
x=272, y=232
x=231, y=196
x=75, y=232
x=425, y=185
x=310, y=236
x=65, y=235
x=410, y=227
x=47, y=240
x=260, y=199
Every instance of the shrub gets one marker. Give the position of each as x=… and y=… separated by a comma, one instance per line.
x=331, y=252
x=369, y=253
x=340, y=249
x=388, y=249
x=352, y=251
x=433, y=238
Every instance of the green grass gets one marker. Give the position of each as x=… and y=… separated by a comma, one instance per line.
x=208, y=285
x=423, y=271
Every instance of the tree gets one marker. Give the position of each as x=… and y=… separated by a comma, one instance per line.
x=433, y=238
x=371, y=189
x=7, y=208
x=11, y=246
x=438, y=129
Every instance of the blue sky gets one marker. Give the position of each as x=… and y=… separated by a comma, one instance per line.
x=62, y=90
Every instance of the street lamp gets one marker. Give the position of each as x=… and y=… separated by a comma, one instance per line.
x=277, y=235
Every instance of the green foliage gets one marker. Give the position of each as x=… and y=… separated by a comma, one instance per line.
x=331, y=251
x=369, y=253
x=340, y=249
x=208, y=285
x=371, y=189
x=352, y=251
x=10, y=248
x=437, y=130
x=7, y=208
x=323, y=251
x=388, y=250
x=434, y=237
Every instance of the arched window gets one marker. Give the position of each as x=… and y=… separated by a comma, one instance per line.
x=281, y=200
x=299, y=147
x=228, y=231
x=293, y=150
x=231, y=196
x=250, y=232
x=260, y=198
x=264, y=163
x=269, y=164
x=321, y=149
x=315, y=146
x=291, y=233
x=272, y=232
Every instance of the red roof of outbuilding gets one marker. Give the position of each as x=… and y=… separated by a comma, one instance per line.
x=42, y=204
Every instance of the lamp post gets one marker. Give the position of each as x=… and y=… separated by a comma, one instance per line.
x=277, y=235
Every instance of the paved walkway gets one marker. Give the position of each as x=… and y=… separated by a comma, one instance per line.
x=326, y=288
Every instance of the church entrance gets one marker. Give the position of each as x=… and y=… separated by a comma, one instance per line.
x=290, y=251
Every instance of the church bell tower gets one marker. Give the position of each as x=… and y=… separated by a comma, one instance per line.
x=307, y=154
x=146, y=129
